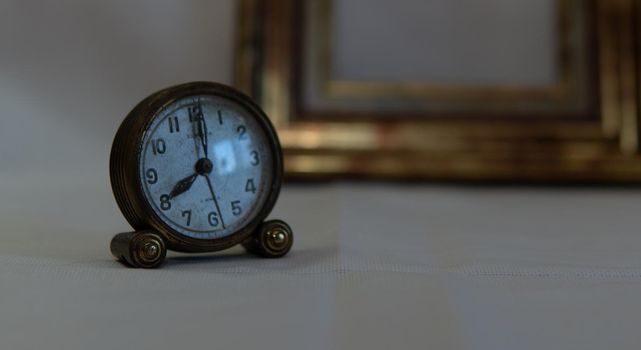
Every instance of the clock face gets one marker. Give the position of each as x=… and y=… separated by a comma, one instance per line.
x=206, y=166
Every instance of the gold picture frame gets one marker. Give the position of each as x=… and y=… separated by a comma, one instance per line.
x=598, y=141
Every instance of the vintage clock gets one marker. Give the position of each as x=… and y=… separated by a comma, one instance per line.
x=197, y=168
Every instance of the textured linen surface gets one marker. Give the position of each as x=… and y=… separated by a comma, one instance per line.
x=373, y=266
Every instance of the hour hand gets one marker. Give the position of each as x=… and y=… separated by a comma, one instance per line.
x=183, y=186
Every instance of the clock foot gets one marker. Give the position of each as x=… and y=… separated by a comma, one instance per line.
x=273, y=239
x=143, y=249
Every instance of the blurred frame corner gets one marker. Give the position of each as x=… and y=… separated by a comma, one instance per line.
x=583, y=128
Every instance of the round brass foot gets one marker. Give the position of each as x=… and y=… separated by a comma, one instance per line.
x=273, y=239
x=143, y=249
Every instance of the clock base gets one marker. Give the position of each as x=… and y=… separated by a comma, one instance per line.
x=147, y=249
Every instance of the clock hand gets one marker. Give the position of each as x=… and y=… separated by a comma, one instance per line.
x=213, y=196
x=197, y=139
x=202, y=130
x=204, y=166
x=183, y=186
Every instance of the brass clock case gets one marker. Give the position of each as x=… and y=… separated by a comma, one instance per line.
x=127, y=184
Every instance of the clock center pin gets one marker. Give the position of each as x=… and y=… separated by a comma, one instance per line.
x=204, y=166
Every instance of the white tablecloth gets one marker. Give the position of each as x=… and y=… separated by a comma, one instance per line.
x=374, y=266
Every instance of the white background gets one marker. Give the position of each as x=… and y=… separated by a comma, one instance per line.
x=463, y=42
x=70, y=71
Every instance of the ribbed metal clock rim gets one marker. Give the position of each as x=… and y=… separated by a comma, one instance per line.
x=125, y=155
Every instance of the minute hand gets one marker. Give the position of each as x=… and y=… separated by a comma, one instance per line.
x=203, y=139
x=202, y=131
x=213, y=196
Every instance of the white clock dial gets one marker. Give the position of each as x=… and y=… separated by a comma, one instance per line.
x=206, y=166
